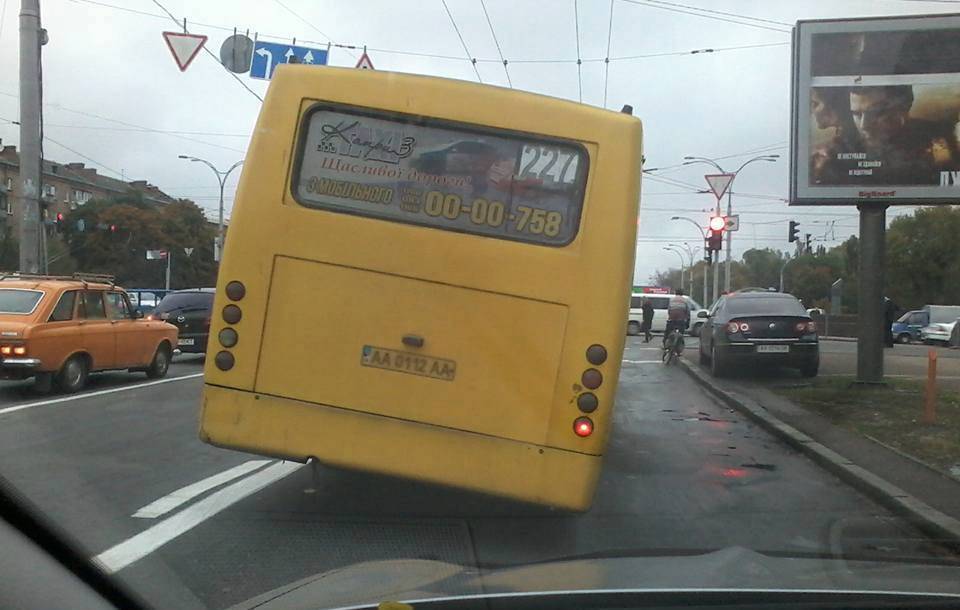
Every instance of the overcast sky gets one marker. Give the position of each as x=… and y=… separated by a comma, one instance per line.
x=108, y=76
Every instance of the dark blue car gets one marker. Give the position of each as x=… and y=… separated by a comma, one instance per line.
x=907, y=328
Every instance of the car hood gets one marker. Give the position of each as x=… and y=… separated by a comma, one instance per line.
x=731, y=568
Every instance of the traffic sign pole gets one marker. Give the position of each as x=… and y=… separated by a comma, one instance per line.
x=727, y=262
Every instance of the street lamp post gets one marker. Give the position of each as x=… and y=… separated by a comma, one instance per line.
x=680, y=254
x=691, y=252
x=222, y=180
x=728, y=258
x=703, y=234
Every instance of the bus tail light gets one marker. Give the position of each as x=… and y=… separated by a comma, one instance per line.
x=232, y=314
x=591, y=379
x=224, y=360
x=228, y=337
x=583, y=427
x=587, y=402
x=235, y=290
x=596, y=354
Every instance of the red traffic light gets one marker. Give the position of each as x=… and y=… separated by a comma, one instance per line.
x=59, y=216
x=718, y=223
x=113, y=228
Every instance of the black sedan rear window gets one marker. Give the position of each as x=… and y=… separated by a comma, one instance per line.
x=769, y=306
x=185, y=300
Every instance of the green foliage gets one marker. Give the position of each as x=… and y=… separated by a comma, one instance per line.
x=9, y=248
x=923, y=261
x=139, y=227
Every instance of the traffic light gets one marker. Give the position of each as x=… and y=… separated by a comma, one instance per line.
x=708, y=257
x=715, y=233
x=808, y=242
x=58, y=222
x=794, y=234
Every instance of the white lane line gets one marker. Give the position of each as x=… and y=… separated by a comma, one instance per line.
x=174, y=499
x=125, y=388
x=120, y=556
x=643, y=361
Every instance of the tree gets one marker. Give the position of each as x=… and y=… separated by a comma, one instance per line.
x=762, y=267
x=923, y=261
x=112, y=237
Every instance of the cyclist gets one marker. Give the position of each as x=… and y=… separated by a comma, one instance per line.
x=678, y=316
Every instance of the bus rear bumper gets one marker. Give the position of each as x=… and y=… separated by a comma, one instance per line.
x=295, y=430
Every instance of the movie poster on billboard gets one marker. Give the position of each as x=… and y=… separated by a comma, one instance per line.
x=876, y=111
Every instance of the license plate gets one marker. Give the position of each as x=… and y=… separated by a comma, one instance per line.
x=184, y=341
x=773, y=349
x=405, y=362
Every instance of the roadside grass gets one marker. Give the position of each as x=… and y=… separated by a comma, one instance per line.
x=891, y=414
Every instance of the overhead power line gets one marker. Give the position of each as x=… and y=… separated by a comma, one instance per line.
x=496, y=42
x=126, y=124
x=310, y=25
x=209, y=52
x=445, y=57
x=707, y=10
x=462, y=42
x=652, y=4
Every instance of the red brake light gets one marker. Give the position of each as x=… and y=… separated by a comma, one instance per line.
x=6, y=350
x=583, y=427
x=744, y=327
x=20, y=350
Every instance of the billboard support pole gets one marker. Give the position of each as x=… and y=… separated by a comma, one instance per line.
x=872, y=271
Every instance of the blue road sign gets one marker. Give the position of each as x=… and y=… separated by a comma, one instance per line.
x=268, y=55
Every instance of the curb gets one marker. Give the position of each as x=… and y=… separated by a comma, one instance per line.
x=845, y=339
x=926, y=518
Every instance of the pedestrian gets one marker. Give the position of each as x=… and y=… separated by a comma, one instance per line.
x=890, y=310
x=647, y=309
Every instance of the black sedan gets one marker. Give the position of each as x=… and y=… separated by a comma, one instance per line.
x=188, y=310
x=744, y=329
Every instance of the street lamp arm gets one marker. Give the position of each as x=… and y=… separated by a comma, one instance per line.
x=692, y=160
x=760, y=158
x=232, y=167
x=703, y=233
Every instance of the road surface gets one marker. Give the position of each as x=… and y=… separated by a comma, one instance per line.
x=191, y=526
x=900, y=361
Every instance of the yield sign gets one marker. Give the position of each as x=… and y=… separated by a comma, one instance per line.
x=365, y=63
x=184, y=47
x=719, y=183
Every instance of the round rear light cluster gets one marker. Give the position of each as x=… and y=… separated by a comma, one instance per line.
x=596, y=354
x=583, y=427
x=591, y=379
x=231, y=314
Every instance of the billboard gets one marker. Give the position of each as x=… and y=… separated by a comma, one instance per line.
x=876, y=111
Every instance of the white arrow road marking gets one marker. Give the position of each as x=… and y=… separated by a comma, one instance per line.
x=133, y=549
x=174, y=499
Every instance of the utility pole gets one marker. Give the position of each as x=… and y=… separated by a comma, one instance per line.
x=728, y=261
x=30, y=41
x=169, y=263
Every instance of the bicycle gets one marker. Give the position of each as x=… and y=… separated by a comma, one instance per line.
x=672, y=347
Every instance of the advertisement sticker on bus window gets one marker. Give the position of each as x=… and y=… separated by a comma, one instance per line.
x=453, y=177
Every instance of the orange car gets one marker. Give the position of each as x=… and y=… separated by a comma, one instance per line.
x=60, y=329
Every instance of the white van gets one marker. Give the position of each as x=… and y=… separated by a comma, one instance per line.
x=660, y=303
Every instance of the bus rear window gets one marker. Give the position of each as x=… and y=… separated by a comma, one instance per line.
x=442, y=175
